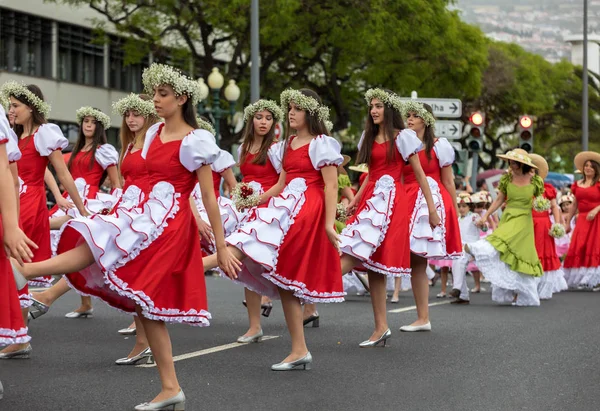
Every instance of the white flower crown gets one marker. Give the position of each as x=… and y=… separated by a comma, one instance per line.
x=262, y=105
x=411, y=106
x=88, y=111
x=12, y=88
x=305, y=103
x=389, y=99
x=205, y=125
x=160, y=74
x=133, y=102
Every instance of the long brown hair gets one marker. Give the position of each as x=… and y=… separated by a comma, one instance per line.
x=98, y=139
x=392, y=121
x=428, y=136
x=315, y=126
x=596, y=166
x=127, y=137
x=37, y=117
x=248, y=141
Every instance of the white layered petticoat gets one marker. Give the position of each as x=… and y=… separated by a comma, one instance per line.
x=551, y=282
x=505, y=282
x=9, y=337
x=586, y=277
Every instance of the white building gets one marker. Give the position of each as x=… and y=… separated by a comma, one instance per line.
x=576, y=41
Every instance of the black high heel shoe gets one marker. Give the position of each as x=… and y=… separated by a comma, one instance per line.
x=266, y=309
x=314, y=319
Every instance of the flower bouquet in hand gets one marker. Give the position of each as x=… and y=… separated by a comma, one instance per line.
x=541, y=204
x=557, y=231
x=245, y=196
x=340, y=213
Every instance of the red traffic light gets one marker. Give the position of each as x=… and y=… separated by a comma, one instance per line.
x=476, y=119
x=525, y=121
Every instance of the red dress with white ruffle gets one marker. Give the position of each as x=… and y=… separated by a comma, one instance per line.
x=150, y=255
x=443, y=242
x=286, y=242
x=544, y=244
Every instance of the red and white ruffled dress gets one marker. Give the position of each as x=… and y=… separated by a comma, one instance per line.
x=150, y=255
x=88, y=174
x=582, y=264
x=136, y=182
x=286, y=242
x=12, y=328
x=33, y=216
x=443, y=242
x=377, y=234
x=553, y=280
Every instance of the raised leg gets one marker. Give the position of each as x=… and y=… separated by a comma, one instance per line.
x=211, y=262
x=71, y=261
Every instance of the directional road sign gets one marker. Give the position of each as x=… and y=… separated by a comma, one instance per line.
x=443, y=107
x=450, y=129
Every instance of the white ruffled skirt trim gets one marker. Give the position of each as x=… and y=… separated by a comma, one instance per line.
x=119, y=238
x=10, y=336
x=505, y=282
x=363, y=237
x=25, y=301
x=587, y=277
x=41, y=282
x=551, y=282
x=425, y=241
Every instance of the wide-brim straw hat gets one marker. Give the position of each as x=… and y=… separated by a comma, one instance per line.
x=463, y=198
x=541, y=164
x=519, y=155
x=361, y=168
x=346, y=160
x=584, y=156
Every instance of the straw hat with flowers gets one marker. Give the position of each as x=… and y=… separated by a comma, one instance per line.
x=581, y=158
x=518, y=155
x=361, y=168
x=463, y=198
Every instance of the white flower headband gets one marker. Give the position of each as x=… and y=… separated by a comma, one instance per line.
x=389, y=99
x=87, y=111
x=305, y=103
x=12, y=88
x=159, y=74
x=133, y=102
x=205, y=125
x=262, y=105
x=411, y=106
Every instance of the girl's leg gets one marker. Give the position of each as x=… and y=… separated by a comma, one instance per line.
x=211, y=262
x=420, y=288
x=377, y=285
x=86, y=304
x=477, y=279
x=141, y=341
x=50, y=295
x=444, y=278
x=160, y=344
x=253, y=301
x=57, y=222
x=309, y=310
x=396, y=295
x=292, y=311
x=72, y=261
x=348, y=262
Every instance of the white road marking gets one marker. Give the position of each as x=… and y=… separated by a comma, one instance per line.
x=414, y=307
x=207, y=351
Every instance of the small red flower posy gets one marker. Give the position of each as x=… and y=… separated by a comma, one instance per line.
x=244, y=196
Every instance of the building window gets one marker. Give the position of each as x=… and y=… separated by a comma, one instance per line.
x=25, y=44
x=80, y=58
x=123, y=75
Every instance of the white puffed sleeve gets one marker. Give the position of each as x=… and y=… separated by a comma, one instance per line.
x=325, y=151
x=224, y=161
x=362, y=139
x=408, y=143
x=12, y=149
x=5, y=130
x=444, y=152
x=150, y=134
x=49, y=138
x=106, y=156
x=275, y=154
x=197, y=149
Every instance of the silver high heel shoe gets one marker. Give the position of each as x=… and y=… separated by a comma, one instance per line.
x=143, y=355
x=19, y=279
x=304, y=363
x=39, y=309
x=20, y=354
x=383, y=339
x=176, y=403
x=251, y=338
x=75, y=314
x=127, y=331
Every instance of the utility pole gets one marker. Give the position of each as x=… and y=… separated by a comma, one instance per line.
x=254, y=53
x=584, y=115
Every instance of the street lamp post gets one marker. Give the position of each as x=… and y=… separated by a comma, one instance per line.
x=232, y=94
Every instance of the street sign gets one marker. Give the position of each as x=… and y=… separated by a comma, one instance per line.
x=452, y=130
x=442, y=107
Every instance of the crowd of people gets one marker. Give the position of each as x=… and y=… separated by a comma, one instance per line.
x=293, y=229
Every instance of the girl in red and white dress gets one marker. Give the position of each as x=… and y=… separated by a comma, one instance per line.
x=90, y=161
x=553, y=280
x=145, y=260
x=283, y=240
x=582, y=263
x=565, y=203
x=259, y=157
x=377, y=236
x=12, y=327
x=443, y=242
x=40, y=143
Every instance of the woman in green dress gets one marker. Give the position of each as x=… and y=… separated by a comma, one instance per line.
x=508, y=257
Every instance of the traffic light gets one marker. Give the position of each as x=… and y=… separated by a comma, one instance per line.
x=526, y=133
x=461, y=162
x=475, y=140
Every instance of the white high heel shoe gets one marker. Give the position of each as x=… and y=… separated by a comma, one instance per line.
x=84, y=314
x=176, y=403
x=19, y=279
x=415, y=328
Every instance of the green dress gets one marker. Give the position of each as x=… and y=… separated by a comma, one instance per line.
x=514, y=237
x=343, y=182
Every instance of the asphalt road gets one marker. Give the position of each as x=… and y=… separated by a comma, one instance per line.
x=478, y=357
